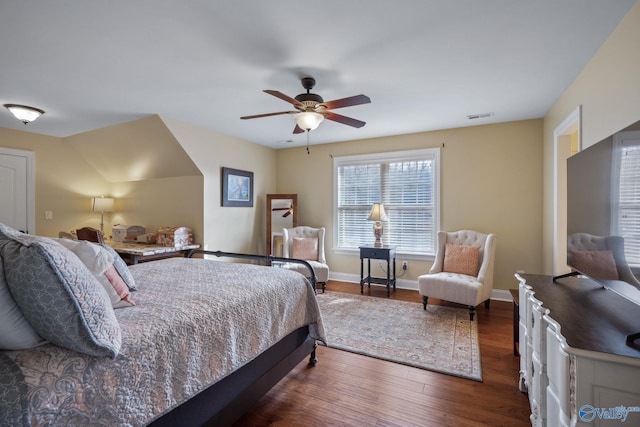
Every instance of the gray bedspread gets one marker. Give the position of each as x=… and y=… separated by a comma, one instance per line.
x=195, y=322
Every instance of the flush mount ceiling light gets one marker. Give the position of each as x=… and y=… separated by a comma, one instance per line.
x=24, y=113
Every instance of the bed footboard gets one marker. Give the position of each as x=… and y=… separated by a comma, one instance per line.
x=266, y=258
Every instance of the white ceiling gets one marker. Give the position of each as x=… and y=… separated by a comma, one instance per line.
x=425, y=64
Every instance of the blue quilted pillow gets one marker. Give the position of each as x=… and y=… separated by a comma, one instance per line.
x=15, y=331
x=7, y=232
x=61, y=299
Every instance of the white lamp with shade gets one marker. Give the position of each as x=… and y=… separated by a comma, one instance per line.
x=378, y=215
x=102, y=205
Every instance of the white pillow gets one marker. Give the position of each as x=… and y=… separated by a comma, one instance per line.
x=15, y=331
x=98, y=260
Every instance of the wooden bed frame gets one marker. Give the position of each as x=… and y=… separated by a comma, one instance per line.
x=224, y=402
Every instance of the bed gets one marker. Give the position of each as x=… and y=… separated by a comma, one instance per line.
x=204, y=341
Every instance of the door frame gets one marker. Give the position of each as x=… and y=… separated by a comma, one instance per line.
x=31, y=193
x=562, y=136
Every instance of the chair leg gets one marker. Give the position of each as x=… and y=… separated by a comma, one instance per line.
x=472, y=311
x=487, y=304
x=324, y=286
x=424, y=301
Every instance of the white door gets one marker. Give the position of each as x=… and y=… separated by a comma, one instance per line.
x=16, y=189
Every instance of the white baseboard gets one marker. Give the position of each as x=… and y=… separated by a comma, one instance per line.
x=496, y=294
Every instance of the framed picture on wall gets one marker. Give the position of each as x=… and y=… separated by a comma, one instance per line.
x=237, y=188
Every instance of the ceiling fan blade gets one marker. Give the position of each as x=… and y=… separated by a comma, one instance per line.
x=345, y=120
x=286, y=214
x=284, y=97
x=267, y=115
x=280, y=209
x=298, y=129
x=347, y=102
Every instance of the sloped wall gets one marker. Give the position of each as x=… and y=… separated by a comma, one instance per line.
x=134, y=151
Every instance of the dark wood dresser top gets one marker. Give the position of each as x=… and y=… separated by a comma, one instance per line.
x=591, y=317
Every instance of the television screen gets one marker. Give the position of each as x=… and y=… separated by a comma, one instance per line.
x=603, y=208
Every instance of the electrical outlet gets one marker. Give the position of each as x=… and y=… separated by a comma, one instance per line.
x=48, y=214
x=405, y=265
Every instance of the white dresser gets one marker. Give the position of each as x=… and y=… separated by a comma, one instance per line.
x=575, y=362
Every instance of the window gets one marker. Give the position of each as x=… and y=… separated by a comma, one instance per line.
x=406, y=182
x=626, y=183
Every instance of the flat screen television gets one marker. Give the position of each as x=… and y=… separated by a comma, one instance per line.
x=603, y=200
x=603, y=215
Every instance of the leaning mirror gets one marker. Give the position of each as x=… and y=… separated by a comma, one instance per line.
x=282, y=212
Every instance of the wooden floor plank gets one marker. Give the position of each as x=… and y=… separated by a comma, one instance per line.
x=348, y=389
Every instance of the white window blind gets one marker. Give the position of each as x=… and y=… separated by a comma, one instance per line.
x=626, y=181
x=406, y=183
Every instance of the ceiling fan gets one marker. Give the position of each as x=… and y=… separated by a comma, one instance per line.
x=289, y=210
x=311, y=109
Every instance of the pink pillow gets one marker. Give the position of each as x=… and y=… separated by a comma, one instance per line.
x=120, y=287
x=305, y=248
x=461, y=259
x=595, y=264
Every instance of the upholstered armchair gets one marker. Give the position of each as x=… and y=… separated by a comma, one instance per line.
x=462, y=271
x=306, y=243
x=600, y=257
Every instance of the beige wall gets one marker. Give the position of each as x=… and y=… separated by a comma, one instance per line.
x=491, y=181
x=134, y=151
x=161, y=202
x=64, y=181
x=161, y=172
x=608, y=88
x=230, y=229
x=153, y=180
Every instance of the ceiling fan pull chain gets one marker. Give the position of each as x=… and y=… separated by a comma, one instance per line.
x=308, y=141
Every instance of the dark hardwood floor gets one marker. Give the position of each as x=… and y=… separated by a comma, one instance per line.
x=346, y=389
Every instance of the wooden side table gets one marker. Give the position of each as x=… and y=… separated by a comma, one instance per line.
x=387, y=253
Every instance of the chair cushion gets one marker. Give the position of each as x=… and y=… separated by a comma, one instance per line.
x=459, y=288
x=462, y=259
x=595, y=264
x=321, y=270
x=305, y=248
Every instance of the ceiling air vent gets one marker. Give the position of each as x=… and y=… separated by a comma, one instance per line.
x=479, y=116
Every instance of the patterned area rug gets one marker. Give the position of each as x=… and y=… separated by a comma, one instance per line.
x=441, y=339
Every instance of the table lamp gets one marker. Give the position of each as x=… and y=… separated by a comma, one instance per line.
x=378, y=215
x=102, y=205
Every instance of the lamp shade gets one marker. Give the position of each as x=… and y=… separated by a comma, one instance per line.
x=103, y=204
x=377, y=212
x=24, y=113
x=308, y=120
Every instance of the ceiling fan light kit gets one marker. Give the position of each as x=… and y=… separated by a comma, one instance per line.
x=308, y=120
